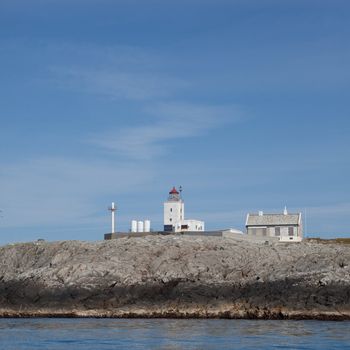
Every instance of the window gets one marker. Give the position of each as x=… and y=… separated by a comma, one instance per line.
x=263, y=231
x=291, y=231
x=170, y=219
x=277, y=231
x=171, y=209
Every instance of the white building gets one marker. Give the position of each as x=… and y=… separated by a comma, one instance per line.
x=174, y=215
x=286, y=227
x=189, y=225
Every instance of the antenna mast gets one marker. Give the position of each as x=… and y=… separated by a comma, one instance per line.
x=112, y=209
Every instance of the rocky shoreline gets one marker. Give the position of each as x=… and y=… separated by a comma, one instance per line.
x=175, y=277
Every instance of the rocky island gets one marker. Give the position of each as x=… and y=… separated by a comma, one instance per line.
x=175, y=276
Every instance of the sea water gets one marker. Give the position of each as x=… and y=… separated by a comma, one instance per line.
x=96, y=334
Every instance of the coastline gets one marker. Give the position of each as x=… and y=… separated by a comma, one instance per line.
x=175, y=277
x=182, y=314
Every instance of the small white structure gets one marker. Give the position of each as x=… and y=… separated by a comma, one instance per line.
x=133, y=226
x=234, y=231
x=112, y=209
x=286, y=227
x=147, y=226
x=189, y=225
x=140, y=226
x=174, y=215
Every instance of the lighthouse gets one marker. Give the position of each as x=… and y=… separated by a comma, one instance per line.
x=174, y=215
x=174, y=210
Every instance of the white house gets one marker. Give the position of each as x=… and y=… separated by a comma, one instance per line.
x=174, y=215
x=287, y=227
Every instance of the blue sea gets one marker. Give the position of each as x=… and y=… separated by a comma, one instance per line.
x=96, y=334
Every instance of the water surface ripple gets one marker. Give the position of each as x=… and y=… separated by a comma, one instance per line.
x=88, y=334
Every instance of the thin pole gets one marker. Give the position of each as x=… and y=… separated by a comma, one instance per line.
x=113, y=208
x=113, y=218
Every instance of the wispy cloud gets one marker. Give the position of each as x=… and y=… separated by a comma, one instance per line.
x=67, y=189
x=127, y=73
x=119, y=84
x=173, y=121
x=118, y=72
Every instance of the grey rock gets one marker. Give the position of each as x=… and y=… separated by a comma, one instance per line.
x=175, y=276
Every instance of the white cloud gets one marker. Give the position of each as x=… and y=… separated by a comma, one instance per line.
x=174, y=121
x=65, y=190
x=119, y=72
x=119, y=83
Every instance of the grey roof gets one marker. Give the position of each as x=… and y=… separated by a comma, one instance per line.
x=272, y=219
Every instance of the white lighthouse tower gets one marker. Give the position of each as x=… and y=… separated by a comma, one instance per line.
x=174, y=211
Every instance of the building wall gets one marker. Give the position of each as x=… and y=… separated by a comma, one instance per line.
x=249, y=238
x=174, y=212
x=290, y=239
x=189, y=225
x=301, y=229
x=291, y=233
x=258, y=231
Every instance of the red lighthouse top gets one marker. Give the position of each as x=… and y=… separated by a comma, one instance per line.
x=174, y=191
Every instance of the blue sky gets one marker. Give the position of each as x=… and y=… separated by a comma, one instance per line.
x=243, y=103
